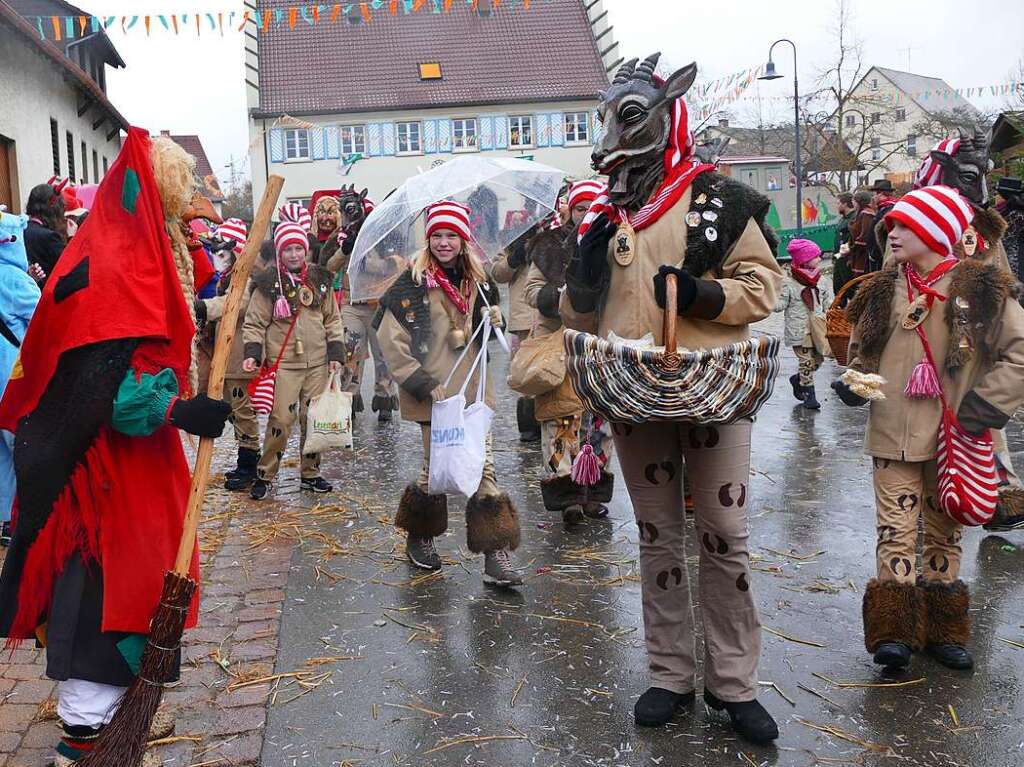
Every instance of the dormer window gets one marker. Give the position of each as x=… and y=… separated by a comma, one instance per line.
x=430, y=70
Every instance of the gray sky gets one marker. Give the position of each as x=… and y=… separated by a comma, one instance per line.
x=195, y=85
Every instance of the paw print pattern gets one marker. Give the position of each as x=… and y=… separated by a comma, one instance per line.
x=275, y=432
x=742, y=583
x=714, y=544
x=237, y=392
x=703, y=436
x=881, y=463
x=293, y=407
x=648, y=532
x=907, y=502
x=725, y=496
x=886, y=533
x=660, y=473
x=939, y=563
x=676, y=574
x=900, y=566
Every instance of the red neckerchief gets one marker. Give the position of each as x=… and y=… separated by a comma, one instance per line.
x=923, y=285
x=436, y=278
x=809, y=295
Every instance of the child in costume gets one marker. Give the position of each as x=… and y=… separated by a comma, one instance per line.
x=931, y=326
x=294, y=321
x=804, y=298
x=424, y=322
x=95, y=402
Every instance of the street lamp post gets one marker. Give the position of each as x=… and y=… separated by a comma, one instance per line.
x=771, y=74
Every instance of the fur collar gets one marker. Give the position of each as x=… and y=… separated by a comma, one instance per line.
x=985, y=288
x=317, y=278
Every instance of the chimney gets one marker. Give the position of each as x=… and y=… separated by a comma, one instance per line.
x=723, y=122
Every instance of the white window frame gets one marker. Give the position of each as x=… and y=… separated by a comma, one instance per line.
x=521, y=120
x=459, y=144
x=357, y=136
x=876, y=149
x=874, y=83
x=398, y=137
x=572, y=119
x=912, y=144
x=294, y=137
x=901, y=114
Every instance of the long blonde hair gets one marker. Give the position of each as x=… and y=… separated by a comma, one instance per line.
x=470, y=264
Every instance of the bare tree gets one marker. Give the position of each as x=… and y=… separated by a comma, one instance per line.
x=238, y=203
x=1014, y=101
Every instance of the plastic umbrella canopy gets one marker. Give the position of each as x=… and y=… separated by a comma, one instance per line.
x=507, y=197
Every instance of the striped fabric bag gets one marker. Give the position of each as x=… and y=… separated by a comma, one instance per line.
x=624, y=384
x=968, y=483
x=262, y=387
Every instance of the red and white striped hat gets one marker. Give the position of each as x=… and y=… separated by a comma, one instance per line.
x=368, y=206
x=233, y=229
x=294, y=213
x=584, y=191
x=287, y=234
x=929, y=172
x=449, y=215
x=936, y=214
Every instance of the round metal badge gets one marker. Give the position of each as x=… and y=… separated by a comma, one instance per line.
x=693, y=219
x=711, y=234
x=306, y=295
x=717, y=202
x=701, y=198
x=710, y=215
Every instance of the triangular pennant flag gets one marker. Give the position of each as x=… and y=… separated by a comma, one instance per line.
x=95, y=24
x=293, y=16
x=174, y=22
x=245, y=19
x=145, y=21
x=39, y=26
x=305, y=16
x=213, y=22
x=365, y=9
x=69, y=27
x=220, y=23
x=56, y=28
x=82, y=21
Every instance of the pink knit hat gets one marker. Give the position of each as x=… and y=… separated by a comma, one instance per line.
x=936, y=214
x=803, y=251
x=287, y=234
x=449, y=215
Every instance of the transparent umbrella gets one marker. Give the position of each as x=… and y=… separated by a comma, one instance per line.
x=507, y=197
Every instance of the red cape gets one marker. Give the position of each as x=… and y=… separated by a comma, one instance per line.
x=124, y=503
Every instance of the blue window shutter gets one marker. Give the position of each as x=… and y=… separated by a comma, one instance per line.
x=276, y=141
x=430, y=136
x=388, y=138
x=557, y=121
x=316, y=143
x=373, y=139
x=444, y=135
x=501, y=132
x=596, y=128
x=485, y=125
x=332, y=146
x=543, y=137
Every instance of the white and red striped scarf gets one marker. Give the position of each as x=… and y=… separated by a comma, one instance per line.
x=681, y=168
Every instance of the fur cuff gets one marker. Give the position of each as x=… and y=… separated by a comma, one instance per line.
x=422, y=515
x=1011, y=501
x=602, y=491
x=420, y=384
x=560, y=493
x=708, y=302
x=253, y=350
x=947, y=605
x=336, y=351
x=547, y=301
x=492, y=523
x=893, y=612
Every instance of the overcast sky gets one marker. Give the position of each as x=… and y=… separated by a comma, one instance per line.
x=195, y=85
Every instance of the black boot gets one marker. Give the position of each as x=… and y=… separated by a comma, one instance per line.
x=357, y=403
x=894, y=655
x=243, y=475
x=949, y=623
x=657, y=706
x=382, y=406
x=529, y=429
x=798, y=390
x=811, y=399
x=749, y=718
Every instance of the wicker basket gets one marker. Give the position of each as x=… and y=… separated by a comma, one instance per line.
x=629, y=385
x=837, y=327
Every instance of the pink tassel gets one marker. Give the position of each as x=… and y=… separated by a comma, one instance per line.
x=586, y=469
x=282, y=309
x=923, y=383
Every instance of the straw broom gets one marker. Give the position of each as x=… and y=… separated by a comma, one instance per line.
x=123, y=741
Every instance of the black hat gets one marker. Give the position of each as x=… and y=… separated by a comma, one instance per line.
x=881, y=185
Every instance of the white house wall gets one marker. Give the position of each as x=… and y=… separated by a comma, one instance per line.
x=38, y=88
x=381, y=174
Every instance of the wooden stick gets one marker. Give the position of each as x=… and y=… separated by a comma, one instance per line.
x=218, y=366
x=669, y=329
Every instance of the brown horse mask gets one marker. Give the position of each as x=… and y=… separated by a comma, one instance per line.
x=636, y=112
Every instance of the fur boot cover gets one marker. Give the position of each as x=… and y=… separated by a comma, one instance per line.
x=947, y=618
x=422, y=515
x=492, y=523
x=1011, y=502
x=560, y=493
x=893, y=612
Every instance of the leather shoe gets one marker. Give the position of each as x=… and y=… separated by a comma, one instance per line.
x=657, y=706
x=892, y=654
x=749, y=718
x=952, y=656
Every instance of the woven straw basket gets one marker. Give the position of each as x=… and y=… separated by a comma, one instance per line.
x=837, y=327
x=628, y=385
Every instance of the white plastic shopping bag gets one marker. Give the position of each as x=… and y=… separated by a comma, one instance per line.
x=458, y=434
x=329, y=419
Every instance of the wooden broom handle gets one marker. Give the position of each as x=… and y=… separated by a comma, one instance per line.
x=228, y=326
x=668, y=335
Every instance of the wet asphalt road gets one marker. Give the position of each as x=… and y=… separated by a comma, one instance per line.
x=442, y=670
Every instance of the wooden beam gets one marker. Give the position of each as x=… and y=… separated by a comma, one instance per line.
x=616, y=64
x=252, y=84
x=112, y=132
x=254, y=69
x=84, y=106
x=609, y=49
x=99, y=121
x=598, y=19
x=607, y=29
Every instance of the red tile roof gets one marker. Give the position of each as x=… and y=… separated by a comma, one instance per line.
x=204, y=170
x=547, y=53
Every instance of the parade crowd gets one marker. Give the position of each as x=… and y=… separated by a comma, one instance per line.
x=926, y=280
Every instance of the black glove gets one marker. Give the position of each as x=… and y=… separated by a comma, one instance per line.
x=200, y=415
x=200, y=308
x=518, y=255
x=847, y=396
x=686, y=288
x=591, y=259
